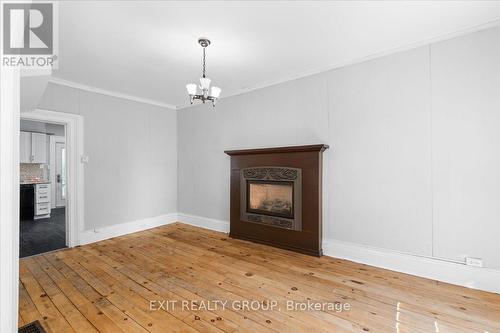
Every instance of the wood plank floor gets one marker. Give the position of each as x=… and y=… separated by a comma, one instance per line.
x=175, y=278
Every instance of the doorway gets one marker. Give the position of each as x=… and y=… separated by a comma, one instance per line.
x=42, y=223
x=65, y=169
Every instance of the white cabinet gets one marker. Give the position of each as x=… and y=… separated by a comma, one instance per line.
x=38, y=148
x=25, y=147
x=42, y=201
x=33, y=148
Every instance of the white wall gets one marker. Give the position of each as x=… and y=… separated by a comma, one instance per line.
x=132, y=149
x=33, y=85
x=379, y=175
x=466, y=147
x=414, y=158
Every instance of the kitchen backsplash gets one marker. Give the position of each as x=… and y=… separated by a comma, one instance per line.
x=33, y=171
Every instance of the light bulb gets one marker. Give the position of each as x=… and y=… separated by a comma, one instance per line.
x=204, y=83
x=216, y=92
x=191, y=88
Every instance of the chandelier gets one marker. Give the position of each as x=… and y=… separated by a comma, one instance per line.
x=204, y=82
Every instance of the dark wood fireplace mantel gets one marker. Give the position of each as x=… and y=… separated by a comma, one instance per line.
x=301, y=164
x=275, y=150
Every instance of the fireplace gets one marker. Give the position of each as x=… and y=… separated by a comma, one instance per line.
x=276, y=197
x=272, y=196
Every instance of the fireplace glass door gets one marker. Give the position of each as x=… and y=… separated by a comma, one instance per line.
x=273, y=198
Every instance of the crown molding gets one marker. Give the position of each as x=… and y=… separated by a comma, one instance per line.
x=269, y=83
x=395, y=50
x=100, y=91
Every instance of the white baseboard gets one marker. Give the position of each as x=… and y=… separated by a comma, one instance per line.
x=427, y=267
x=95, y=235
x=204, y=222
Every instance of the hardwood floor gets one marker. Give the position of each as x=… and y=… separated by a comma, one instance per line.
x=123, y=285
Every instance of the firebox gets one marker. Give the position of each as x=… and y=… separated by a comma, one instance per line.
x=272, y=195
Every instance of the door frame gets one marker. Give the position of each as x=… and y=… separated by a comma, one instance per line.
x=53, y=140
x=74, y=170
x=9, y=198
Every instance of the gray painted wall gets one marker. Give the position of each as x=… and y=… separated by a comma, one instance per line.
x=132, y=149
x=415, y=158
x=33, y=126
x=36, y=126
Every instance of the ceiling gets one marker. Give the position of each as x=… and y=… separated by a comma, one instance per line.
x=149, y=49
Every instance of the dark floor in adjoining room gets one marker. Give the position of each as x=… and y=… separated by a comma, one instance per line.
x=43, y=235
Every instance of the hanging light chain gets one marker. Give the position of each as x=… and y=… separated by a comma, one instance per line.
x=204, y=57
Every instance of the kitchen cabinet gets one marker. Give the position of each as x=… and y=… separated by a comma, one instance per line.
x=33, y=148
x=38, y=148
x=25, y=147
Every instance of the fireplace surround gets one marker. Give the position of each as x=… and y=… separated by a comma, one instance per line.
x=275, y=196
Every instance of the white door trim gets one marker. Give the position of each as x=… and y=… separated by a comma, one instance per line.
x=9, y=198
x=52, y=162
x=60, y=149
x=74, y=152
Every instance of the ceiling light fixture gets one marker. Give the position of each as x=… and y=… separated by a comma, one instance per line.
x=204, y=82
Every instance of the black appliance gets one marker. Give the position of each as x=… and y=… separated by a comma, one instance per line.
x=27, y=202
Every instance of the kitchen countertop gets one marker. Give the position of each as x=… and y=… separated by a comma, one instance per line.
x=28, y=182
